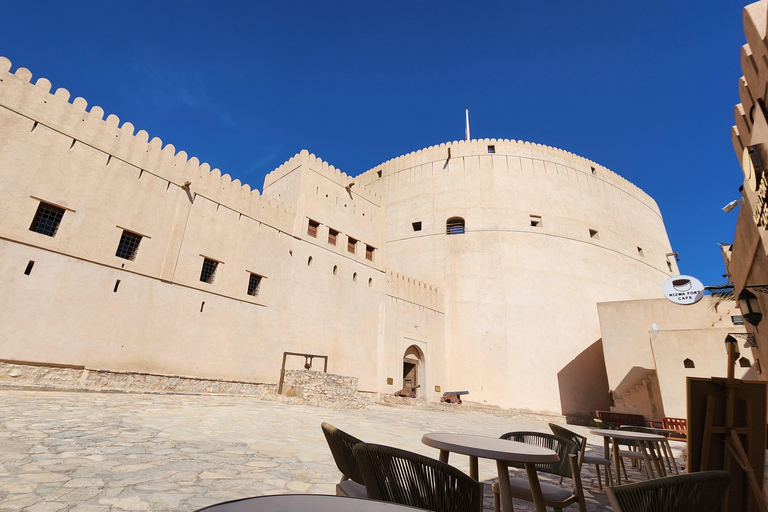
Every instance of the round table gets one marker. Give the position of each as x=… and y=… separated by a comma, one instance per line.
x=503, y=451
x=643, y=440
x=306, y=503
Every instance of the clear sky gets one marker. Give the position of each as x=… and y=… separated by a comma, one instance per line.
x=646, y=89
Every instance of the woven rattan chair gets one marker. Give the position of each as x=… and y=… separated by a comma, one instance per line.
x=695, y=492
x=407, y=478
x=342, y=445
x=555, y=496
x=581, y=441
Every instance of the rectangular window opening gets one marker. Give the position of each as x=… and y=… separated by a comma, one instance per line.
x=351, y=244
x=28, y=270
x=312, y=228
x=594, y=234
x=416, y=226
x=332, y=234
x=254, y=284
x=737, y=320
x=536, y=221
x=128, y=246
x=378, y=173
x=491, y=149
x=369, y=252
x=208, y=273
x=47, y=219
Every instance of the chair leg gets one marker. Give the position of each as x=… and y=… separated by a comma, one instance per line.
x=621, y=459
x=608, y=478
x=599, y=483
x=496, y=506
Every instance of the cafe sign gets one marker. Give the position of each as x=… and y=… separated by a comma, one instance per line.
x=683, y=290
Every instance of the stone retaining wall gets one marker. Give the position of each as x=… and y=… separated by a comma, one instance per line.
x=324, y=389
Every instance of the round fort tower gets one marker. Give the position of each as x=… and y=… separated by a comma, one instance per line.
x=524, y=240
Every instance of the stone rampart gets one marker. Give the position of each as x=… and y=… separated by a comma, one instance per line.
x=116, y=141
x=415, y=291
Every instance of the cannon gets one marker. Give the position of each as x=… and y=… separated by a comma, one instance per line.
x=453, y=397
x=408, y=392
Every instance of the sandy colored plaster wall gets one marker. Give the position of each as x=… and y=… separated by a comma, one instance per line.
x=520, y=299
x=633, y=348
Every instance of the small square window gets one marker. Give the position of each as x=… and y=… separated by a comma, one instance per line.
x=416, y=226
x=594, y=234
x=254, y=284
x=640, y=252
x=737, y=320
x=332, y=234
x=47, y=219
x=351, y=244
x=536, y=221
x=128, y=246
x=369, y=252
x=208, y=273
x=491, y=149
x=312, y=228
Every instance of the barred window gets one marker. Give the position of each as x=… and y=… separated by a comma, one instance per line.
x=312, y=228
x=254, y=284
x=128, y=246
x=47, y=219
x=208, y=272
x=369, y=252
x=332, y=234
x=454, y=226
x=351, y=244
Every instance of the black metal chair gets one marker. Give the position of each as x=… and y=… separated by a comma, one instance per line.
x=581, y=441
x=407, y=478
x=342, y=445
x=555, y=496
x=694, y=492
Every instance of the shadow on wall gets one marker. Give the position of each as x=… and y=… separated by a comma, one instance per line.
x=634, y=378
x=583, y=386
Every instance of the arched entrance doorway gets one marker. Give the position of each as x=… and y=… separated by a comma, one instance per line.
x=413, y=367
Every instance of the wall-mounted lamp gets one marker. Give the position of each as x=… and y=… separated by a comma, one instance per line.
x=677, y=258
x=750, y=309
x=730, y=206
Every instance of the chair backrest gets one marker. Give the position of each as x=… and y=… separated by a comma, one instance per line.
x=694, y=492
x=580, y=440
x=407, y=478
x=342, y=445
x=620, y=418
x=677, y=424
x=560, y=445
x=604, y=425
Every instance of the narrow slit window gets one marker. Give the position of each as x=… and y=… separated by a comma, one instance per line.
x=370, y=282
x=47, y=219
x=640, y=252
x=351, y=244
x=335, y=269
x=28, y=270
x=332, y=236
x=354, y=277
x=117, y=285
x=378, y=174
x=128, y=246
x=369, y=252
x=594, y=234
x=254, y=285
x=536, y=221
x=208, y=273
x=416, y=226
x=454, y=226
x=594, y=172
x=312, y=228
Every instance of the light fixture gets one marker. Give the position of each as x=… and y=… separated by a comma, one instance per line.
x=750, y=309
x=730, y=206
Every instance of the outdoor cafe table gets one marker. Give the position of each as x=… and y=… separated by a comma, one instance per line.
x=646, y=443
x=503, y=452
x=306, y=503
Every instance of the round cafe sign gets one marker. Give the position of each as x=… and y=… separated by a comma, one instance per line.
x=683, y=290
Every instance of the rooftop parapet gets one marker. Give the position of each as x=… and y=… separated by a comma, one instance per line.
x=413, y=290
x=35, y=101
x=503, y=147
x=322, y=167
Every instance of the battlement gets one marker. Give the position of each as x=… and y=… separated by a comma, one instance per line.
x=503, y=147
x=322, y=167
x=413, y=290
x=35, y=101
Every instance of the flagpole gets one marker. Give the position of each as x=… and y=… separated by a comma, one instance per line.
x=466, y=130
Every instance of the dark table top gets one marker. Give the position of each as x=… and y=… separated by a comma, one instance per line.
x=306, y=502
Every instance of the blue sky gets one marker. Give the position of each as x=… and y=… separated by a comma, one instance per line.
x=646, y=89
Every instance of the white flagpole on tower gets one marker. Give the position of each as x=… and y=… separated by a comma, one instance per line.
x=466, y=130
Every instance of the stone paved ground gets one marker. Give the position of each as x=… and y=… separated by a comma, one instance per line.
x=84, y=452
